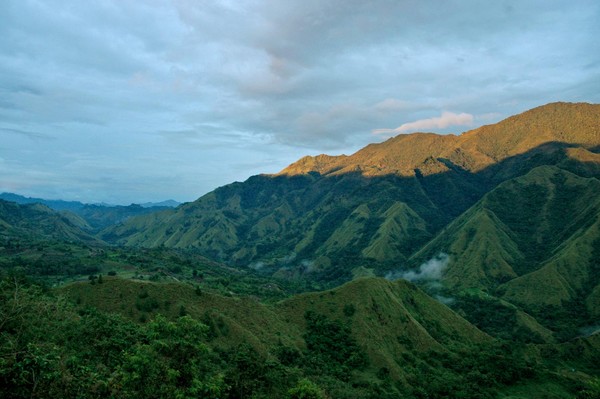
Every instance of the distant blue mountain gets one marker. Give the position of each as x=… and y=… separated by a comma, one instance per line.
x=168, y=203
x=98, y=216
x=57, y=205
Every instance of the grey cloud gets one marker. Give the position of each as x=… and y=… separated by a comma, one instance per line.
x=437, y=122
x=401, y=56
x=226, y=84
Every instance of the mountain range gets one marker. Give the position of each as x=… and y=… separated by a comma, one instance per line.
x=491, y=239
x=96, y=216
x=514, y=205
x=384, y=207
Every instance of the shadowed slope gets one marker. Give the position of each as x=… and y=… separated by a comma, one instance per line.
x=533, y=241
x=518, y=226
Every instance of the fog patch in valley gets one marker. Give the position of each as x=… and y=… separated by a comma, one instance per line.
x=257, y=265
x=431, y=270
x=428, y=274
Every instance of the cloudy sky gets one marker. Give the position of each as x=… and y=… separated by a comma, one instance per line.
x=126, y=101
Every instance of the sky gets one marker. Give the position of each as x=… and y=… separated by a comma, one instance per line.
x=123, y=101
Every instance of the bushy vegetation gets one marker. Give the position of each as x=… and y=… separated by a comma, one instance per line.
x=57, y=262
x=494, y=317
x=330, y=348
x=474, y=373
x=50, y=347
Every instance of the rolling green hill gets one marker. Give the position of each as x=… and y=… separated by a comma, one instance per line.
x=380, y=311
x=396, y=328
x=368, y=338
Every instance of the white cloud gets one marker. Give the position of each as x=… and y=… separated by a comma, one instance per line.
x=447, y=119
x=432, y=269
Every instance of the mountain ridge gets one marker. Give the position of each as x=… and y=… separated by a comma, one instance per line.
x=503, y=201
x=472, y=150
x=333, y=211
x=96, y=216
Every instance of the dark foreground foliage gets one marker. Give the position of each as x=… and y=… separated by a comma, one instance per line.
x=47, y=349
x=50, y=348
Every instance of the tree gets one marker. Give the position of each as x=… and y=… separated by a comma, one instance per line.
x=305, y=389
x=173, y=363
x=591, y=391
x=247, y=374
x=330, y=346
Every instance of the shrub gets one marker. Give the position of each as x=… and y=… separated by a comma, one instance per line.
x=349, y=309
x=330, y=347
x=305, y=389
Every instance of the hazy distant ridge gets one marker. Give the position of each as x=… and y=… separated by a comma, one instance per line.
x=97, y=216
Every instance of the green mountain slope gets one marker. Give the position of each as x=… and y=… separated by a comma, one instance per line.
x=269, y=219
x=533, y=241
x=517, y=226
x=101, y=216
x=573, y=272
x=379, y=206
x=401, y=231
